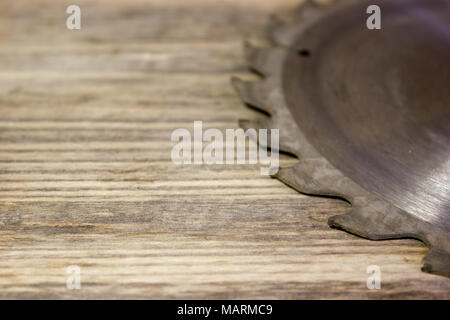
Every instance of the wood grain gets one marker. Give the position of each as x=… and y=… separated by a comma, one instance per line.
x=86, y=177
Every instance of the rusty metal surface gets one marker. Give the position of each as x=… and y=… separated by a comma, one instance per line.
x=367, y=113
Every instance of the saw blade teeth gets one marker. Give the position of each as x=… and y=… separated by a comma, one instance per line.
x=370, y=217
x=437, y=262
x=251, y=93
x=266, y=123
x=299, y=179
x=373, y=218
x=256, y=124
x=274, y=22
x=280, y=34
x=287, y=144
x=278, y=28
x=255, y=57
x=263, y=60
x=378, y=220
x=287, y=147
x=283, y=33
x=352, y=222
x=252, y=124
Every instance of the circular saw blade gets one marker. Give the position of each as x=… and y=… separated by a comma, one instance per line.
x=367, y=112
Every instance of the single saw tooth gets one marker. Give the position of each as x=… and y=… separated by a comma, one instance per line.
x=437, y=262
x=280, y=33
x=375, y=219
x=267, y=123
x=263, y=60
x=299, y=179
x=283, y=33
x=275, y=24
x=253, y=93
x=287, y=142
x=358, y=220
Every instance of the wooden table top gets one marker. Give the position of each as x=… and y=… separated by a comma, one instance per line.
x=86, y=176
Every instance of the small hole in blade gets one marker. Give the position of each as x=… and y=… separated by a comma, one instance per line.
x=304, y=53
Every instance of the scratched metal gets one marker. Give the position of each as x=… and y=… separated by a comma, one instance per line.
x=376, y=104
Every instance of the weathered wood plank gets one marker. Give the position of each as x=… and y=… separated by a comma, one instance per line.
x=86, y=177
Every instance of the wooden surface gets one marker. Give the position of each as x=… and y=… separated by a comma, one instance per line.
x=86, y=177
